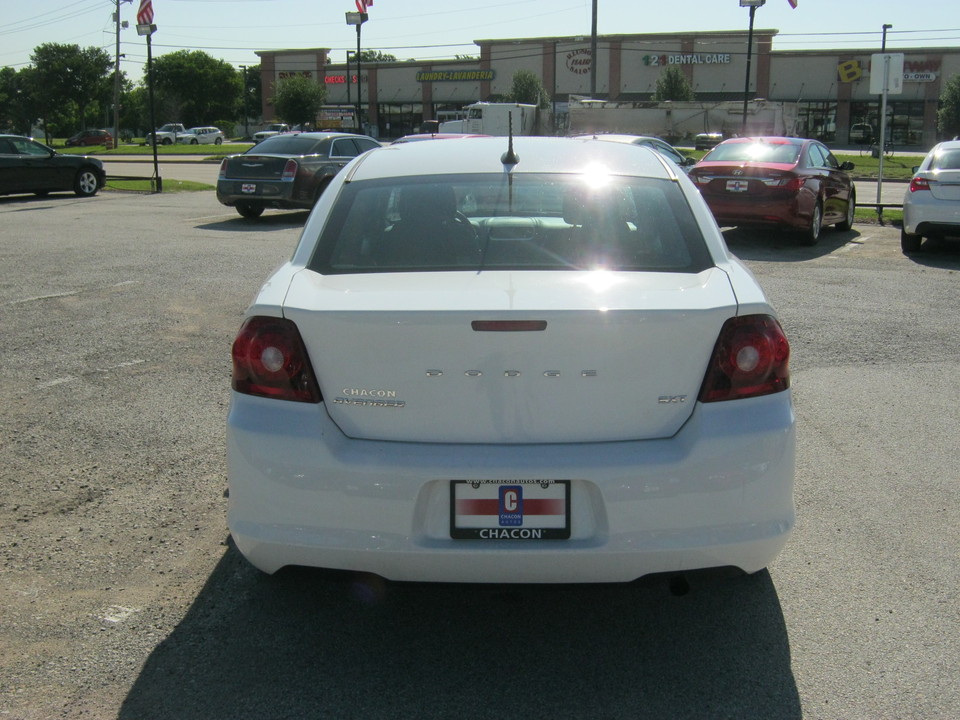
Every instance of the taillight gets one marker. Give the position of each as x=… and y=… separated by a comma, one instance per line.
x=751, y=358
x=919, y=183
x=289, y=170
x=270, y=360
x=223, y=168
x=790, y=183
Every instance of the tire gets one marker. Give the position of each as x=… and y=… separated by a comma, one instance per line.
x=846, y=224
x=166, y=141
x=86, y=183
x=250, y=211
x=811, y=236
x=909, y=242
x=218, y=141
x=194, y=142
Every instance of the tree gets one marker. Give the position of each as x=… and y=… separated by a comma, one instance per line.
x=194, y=88
x=298, y=100
x=528, y=88
x=673, y=85
x=67, y=80
x=948, y=116
x=376, y=56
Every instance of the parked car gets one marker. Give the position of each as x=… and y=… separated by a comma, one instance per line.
x=658, y=144
x=776, y=182
x=90, y=137
x=707, y=140
x=861, y=133
x=201, y=136
x=165, y=134
x=480, y=366
x=286, y=171
x=270, y=130
x=26, y=166
x=931, y=205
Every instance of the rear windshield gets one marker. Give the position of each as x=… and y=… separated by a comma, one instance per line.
x=288, y=145
x=946, y=160
x=510, y=222
x=755, y=152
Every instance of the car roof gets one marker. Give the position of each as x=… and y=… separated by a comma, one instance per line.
x=535, y=155
x=436, y=136
x=620, y=137
x=947, y=145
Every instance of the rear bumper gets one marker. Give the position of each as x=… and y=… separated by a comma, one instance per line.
x=719, y=493
x=267, y=193
x=784, y=212
x=930, y=217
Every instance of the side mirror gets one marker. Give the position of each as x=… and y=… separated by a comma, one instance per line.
x=847, y=166
x=688, y=161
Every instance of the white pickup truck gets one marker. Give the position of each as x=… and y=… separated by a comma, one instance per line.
x=269, y=131
x=166, y=135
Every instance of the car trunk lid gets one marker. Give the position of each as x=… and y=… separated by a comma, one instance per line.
x=507, y=357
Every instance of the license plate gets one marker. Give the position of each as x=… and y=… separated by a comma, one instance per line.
x=738, y=185
x=248, y=188
x=510, y=509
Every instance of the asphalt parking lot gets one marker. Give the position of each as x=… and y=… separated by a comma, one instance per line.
x=123, y=596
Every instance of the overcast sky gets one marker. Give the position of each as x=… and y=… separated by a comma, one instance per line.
x=233, y=29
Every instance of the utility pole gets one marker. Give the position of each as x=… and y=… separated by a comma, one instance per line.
x=246, y=131
x=116, y=80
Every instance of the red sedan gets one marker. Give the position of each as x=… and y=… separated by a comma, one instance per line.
x=777, y=182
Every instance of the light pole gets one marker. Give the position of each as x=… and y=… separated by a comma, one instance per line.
x=148, y=29
x=358, y=19
x=246, y=118
x=753, y=5
x=593, y=52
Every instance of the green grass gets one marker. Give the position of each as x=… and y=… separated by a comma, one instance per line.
x=206, y=151
x=147, y=186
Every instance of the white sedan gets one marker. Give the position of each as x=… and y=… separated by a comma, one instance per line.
x=931, y=204
x=538, y=364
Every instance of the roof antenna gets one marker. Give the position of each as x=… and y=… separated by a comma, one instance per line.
x=510, y=157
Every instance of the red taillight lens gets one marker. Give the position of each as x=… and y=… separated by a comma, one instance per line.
x=919, y=183
x=289, y=170
x=223, y=168
x=751, y=358
x=270, y=360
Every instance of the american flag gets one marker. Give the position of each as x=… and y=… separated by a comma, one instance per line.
x=362, y=5
x=145, y=13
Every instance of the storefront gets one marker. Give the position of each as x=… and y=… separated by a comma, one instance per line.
x=830, y=87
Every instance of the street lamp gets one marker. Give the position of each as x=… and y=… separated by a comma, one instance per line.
x=358, y=19
x=753, y=5
x=148, y=29
x=246, y=119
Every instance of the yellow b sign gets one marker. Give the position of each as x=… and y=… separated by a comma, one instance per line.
x=849, y=70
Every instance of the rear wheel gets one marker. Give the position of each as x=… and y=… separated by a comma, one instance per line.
x=909, y=242
x=249, y=210
x=847, y=222
x=811, y=236
x=86, y=183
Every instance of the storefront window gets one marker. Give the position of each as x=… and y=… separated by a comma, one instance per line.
x=398, y=119
x=904, y=121
x=817, y=120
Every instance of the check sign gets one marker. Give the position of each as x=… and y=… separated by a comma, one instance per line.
x=738, y=185
x=510, y=510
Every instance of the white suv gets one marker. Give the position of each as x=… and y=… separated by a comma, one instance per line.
x=201, y=136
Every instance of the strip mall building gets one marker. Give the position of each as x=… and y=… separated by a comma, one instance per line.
x=830, y=87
